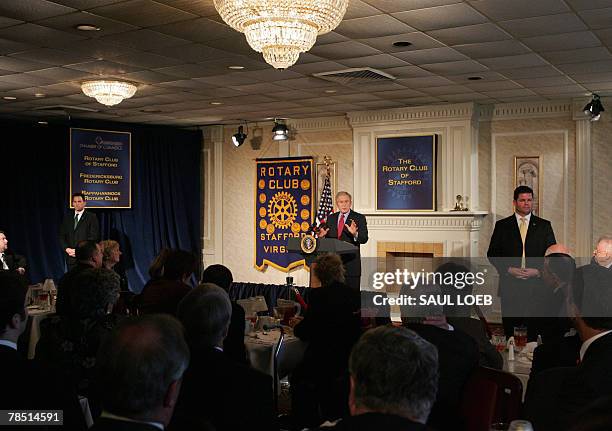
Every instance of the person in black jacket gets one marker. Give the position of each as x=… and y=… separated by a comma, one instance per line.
x=233, y=344
x=139, y=369
x=331, y=327
x=77, y=226
x=10, y=261
x=394, y=378
x=217, y=389
x=349, y=226
x=516, y=250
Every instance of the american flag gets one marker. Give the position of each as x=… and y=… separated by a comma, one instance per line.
x=325, y=203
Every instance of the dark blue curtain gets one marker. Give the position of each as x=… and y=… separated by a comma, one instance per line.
x=166, y=194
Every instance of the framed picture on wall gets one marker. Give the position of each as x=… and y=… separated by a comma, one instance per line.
x=321, y=172
x=527, y=173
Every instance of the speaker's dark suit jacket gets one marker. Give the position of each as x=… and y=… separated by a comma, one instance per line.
x=555, y=397
x=87, y=229
x=227, y=394
x=352, y=262
x=13, y=261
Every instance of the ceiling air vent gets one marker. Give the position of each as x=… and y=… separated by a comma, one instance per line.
x=65, y=108
x=355, y=76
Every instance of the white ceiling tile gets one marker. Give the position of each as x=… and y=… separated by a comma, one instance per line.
x=597, y=18
x=372, y=26
x=542, y=25
x=514, y=61
x=435, y=18
x=428, y=56
x=598, y=53
x=493, y=49
x=558, y=42
x=470, y=34
x=402, y=5
x=500, y=10
x=454, y=67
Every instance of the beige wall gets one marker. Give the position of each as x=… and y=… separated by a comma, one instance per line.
x=601, y=141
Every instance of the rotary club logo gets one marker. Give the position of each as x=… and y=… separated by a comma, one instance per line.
x=282, y=210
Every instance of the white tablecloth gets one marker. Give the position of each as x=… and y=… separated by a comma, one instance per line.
x=36, y=316
x=260, y=347
x=520, y=367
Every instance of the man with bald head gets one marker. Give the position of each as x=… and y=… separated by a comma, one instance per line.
x=596, y=278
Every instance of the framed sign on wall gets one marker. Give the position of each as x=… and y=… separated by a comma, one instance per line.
x=406, y=173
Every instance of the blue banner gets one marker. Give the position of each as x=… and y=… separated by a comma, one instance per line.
x=406, y=173
x=283, y=209
x=100, y=167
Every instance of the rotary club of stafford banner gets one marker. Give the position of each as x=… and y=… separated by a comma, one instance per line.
x=283, y=209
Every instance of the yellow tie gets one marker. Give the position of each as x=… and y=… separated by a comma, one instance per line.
x=523, y=230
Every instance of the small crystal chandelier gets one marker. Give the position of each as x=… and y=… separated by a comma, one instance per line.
x=282, y=29
x=108, y=93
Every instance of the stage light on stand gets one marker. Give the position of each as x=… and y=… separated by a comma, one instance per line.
x=594, y=108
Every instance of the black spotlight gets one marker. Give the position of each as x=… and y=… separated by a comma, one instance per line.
x=238, y=138
x=594, y=108
x=280, y=132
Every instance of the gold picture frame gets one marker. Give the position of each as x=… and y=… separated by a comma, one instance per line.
x=321, y=170
x=527, y=173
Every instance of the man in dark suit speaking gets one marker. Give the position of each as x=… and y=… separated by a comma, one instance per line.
x=350, y=226
x=78, y=226
x=517, y=248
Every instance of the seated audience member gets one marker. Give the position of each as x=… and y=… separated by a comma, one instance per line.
x=139, y=370
x=457, y=355
x=233, y=345
x=230, y=395
x=394, y=379
x=88, y=255
x=156, y=270
x=561, y=345
x=69, y=344
x=331, y=326
x=27, y=385
x=10, y=261
x=459, y=316
x=162, y=295
x=597, y=277
x=556, y=396
x=111, y=256
x=597, y=416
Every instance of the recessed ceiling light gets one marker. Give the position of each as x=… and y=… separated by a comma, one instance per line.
x=216, y=103
x=235, y=67
x=39, y=94
x=402, y=43
x=43, y=123
x=331, y=91
x=88, y=27
x=9, y=98
x=474, y=78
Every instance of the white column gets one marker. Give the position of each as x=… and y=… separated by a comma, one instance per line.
x=584, y=189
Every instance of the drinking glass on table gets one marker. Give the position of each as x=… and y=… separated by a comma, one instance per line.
x=520, y=336
x=499, y=341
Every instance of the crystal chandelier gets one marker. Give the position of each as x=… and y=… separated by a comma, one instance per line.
x=108, y=93
x=282, y=29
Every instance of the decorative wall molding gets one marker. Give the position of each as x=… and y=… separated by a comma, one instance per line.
x=459, y=111
x=525, y=110
x=429, y=223
x=317, y=124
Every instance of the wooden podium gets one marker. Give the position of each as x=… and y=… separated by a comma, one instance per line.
x=324, y=246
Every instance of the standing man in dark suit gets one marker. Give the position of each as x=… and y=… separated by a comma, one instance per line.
x=78, y=226
x=10, y=261
x=516, y=250
x=349, y=226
